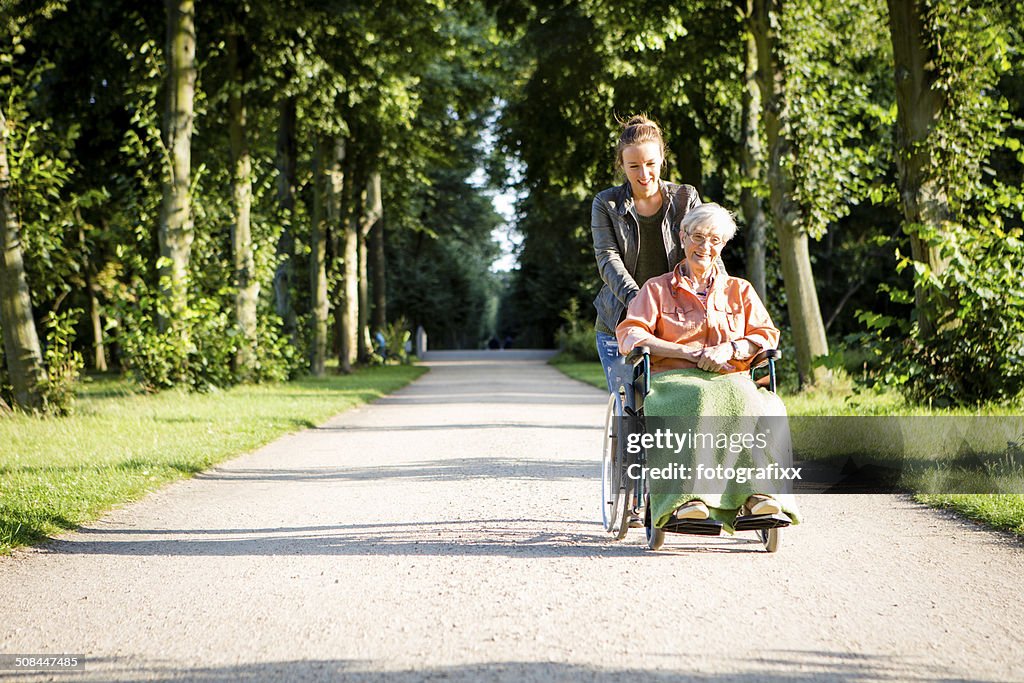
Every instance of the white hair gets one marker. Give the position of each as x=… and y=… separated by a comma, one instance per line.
x=710, y=217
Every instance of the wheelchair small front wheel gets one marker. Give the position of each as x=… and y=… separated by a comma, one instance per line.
x=771, y=538
x=655, y=535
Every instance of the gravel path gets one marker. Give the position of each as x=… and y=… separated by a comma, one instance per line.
x=451, y=532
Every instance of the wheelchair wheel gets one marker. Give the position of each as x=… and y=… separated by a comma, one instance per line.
x=612, y=494
x=655, y=536
x=771, y=539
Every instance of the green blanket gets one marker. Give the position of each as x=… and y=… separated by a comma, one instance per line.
x=720, y=413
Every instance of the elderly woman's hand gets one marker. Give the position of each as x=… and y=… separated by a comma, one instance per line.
x=716, y=358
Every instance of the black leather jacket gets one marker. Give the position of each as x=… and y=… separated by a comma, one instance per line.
x=616, y=230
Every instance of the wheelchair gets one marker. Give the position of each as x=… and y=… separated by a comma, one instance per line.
x=624, y=496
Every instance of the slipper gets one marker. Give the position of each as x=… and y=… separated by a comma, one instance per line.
x=694, y=509
x=760, y=504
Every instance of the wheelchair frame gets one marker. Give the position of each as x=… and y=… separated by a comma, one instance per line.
x=623, y=496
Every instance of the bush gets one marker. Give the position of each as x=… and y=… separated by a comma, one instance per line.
x=277, y=359
x=397, y=336
x=63, y=363
x=576, y=337
x=196, y=349
x=976, y=353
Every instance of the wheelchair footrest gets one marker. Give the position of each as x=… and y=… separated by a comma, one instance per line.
x=701, y=527
x=758, y=522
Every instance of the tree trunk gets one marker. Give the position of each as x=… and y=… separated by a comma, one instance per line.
x=285, y=273
x=919, y=104
x=373, y=209
x=21, y=342
x=379, y=272
x=335, y=204
x=247, y=286
x=341, y=212
x=363, y=351
x=176, y=230
x=323, y=184
x=805, y=320
x=99, y=349
x=350, y=280
x=99, y=352
x=751, y=166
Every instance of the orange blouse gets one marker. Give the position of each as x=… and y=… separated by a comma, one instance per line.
x=667, y=307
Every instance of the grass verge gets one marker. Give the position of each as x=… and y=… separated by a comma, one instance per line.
x=999, y=511
x=56, y=474
x=590, y=372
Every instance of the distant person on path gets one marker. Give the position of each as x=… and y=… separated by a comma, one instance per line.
x=635, y=228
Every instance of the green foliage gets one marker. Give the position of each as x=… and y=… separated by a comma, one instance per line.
x=977, y=45
x=397, y=335
x=977, y=351
x=838, y=63
x=575, y=337
x=63, y=363
x=196, y=350
x=41, y=167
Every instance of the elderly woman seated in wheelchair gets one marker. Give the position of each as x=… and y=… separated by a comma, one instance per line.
x=694, y=443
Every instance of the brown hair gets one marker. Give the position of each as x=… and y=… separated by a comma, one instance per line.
x=636, y=130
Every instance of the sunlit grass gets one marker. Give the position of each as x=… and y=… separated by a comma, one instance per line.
x=1001, y=511
x=121, y=444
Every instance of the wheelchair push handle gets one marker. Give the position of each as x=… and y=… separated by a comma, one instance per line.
x=766, y=357
x=640, y=359
x=637, y=353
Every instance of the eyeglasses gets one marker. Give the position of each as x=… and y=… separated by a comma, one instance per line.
x=700, y=238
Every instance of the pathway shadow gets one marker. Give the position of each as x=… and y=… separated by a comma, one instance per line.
x=514, y=538
x=444, y=427
x=463, y=538
x=480, y=397
x=795, y=666
x=429, y=470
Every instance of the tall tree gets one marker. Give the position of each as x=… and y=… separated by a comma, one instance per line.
x=378, y=270
x=176, y=232
x=805, y=319
x=284, y=276
x=751, y=165
x=347, y=250
x=328, y=179
x=21, y=342
x=244, y=281
x=920, y=104
x=373, y=211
